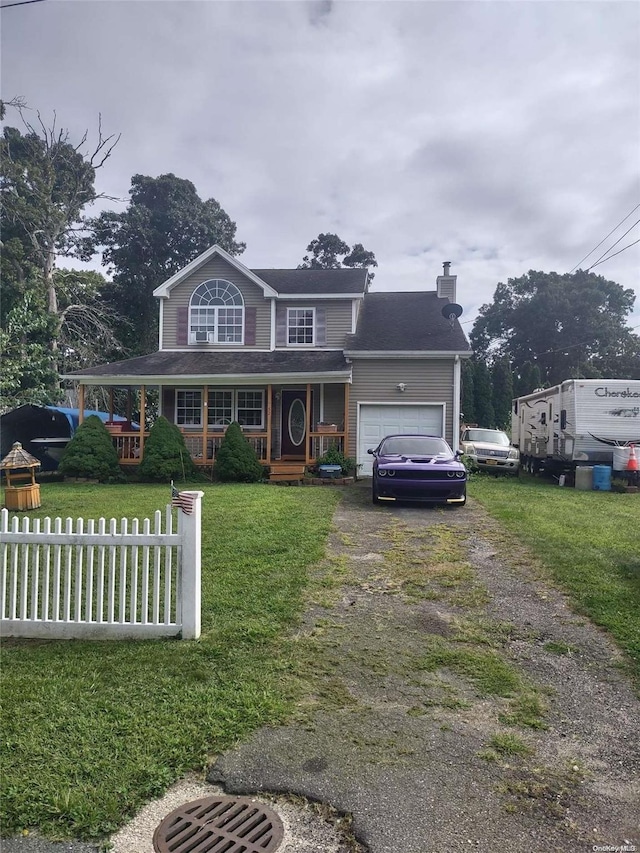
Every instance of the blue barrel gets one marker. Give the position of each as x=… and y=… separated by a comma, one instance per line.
x=601, y=478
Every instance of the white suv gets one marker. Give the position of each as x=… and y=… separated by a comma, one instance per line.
x=490, y=450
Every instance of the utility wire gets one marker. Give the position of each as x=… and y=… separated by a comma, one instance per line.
x=20, y=3
x=604, y=254
x=614, y=254
x=605, y=238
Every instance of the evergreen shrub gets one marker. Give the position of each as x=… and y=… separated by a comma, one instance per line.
x=91, y=454
x=236, y=460
x=165, y=455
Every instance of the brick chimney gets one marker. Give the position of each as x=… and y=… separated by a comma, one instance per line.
x=446, y=283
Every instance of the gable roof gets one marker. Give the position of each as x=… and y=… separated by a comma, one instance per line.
x=164, y=290
x=275, y=282
x=341, y=281
x=408, y=323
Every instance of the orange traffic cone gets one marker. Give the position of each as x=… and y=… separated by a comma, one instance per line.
x=632, y=464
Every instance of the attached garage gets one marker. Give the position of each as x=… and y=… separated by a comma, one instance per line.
x=375, y=420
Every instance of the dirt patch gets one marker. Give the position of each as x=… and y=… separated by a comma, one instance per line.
x=451, y=699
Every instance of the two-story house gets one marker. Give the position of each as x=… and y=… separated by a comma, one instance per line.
x=302, y=359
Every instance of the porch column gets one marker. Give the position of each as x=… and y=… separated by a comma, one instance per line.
x=143, y=406
x=80, y=404
x=111, y=402
x=269, y=415
x=129, y=407
x=346, y=418
x=307, y=444
x=205, y=425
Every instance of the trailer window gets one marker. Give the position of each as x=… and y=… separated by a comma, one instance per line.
x=563, y=419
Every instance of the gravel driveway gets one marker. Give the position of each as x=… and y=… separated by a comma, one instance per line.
x=454, y=701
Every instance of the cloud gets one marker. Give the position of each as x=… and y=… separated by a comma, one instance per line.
x=501, y=136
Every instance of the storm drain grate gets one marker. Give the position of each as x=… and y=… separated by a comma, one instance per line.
x=219, y=825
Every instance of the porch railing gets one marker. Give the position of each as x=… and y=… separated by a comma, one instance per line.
x=203, y=446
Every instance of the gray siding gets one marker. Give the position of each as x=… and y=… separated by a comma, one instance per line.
x=216, y=268
x=375, y=380
x=338, y=318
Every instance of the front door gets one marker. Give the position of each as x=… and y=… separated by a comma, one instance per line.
x=294, y=424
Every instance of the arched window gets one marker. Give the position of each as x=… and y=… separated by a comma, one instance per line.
x=216, y=313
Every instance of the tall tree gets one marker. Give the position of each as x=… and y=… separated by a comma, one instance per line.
x=571, y=326
x=502, y=392
x=329, y=252
x=29, y=371
x=468, y=401
x=527, y=379
x=46, y=182
x=485, y=416
x=164, y=228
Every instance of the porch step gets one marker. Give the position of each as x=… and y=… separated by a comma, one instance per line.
x=286, y=471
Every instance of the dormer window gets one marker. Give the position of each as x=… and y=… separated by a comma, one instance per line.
x=216, y=313
x=300, y=326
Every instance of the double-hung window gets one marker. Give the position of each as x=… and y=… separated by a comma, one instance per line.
x=246, y=407
x=300, y=326
x=216, y=313
x=189, y=408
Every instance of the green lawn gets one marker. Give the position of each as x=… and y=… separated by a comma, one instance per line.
x=588, y=541
x=92, y=730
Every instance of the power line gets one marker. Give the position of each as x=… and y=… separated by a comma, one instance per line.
x=614, y=254
x=615, y=244
x=605, y=238
x=20, y=3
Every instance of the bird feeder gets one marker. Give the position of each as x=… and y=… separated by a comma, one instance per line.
x=20, y=466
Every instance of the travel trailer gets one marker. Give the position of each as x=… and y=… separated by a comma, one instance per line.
x=579, y=422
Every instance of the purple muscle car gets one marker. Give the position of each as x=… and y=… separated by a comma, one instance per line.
x=418, y=468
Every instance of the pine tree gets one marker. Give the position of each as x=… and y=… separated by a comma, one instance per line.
x=502, y=387
x=91, y=454
x=236, y=460
x=468, y=402
x=165, y=455
x=485, y=416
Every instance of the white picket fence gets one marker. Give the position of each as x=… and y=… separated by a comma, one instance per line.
x=61, y=579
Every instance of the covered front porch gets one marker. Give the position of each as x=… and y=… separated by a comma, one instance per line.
x=289, y=425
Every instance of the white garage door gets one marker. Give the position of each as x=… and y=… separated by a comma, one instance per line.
x=377, y=420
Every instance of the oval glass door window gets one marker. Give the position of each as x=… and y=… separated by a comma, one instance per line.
x=297, y=422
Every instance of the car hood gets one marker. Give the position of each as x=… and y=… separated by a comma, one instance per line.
x=419, y=460
x=484, y=445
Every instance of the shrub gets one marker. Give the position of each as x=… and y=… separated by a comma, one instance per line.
x=165, y=455
x=236, y=460
x=91, y=454
x=334, y=456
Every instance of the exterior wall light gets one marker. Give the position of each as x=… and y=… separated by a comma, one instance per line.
x=401, y=386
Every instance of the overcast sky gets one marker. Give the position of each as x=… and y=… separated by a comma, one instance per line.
x=502, y=136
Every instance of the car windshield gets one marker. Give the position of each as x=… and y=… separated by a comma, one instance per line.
x=414, y=445
x=490, y=436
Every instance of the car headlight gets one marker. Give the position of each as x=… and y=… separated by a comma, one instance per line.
x=461, y=474
x=382, y=472
x=391, y=472
x=514, y=454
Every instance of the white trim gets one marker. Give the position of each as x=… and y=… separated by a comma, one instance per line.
x=164, y=290
x=161, y=325
x=272, y=335
x=311, y=345
x=407, y=353
x=211, y=378
x=457, y=373
x=311, y=295
x=423, y=403
x=354, y=315
x=321, y=405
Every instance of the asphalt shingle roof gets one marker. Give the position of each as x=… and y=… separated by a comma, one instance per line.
x=172, y=363
x=406, y=322
x=315, y=281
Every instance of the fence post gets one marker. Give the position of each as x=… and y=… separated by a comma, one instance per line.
x=190, y=526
